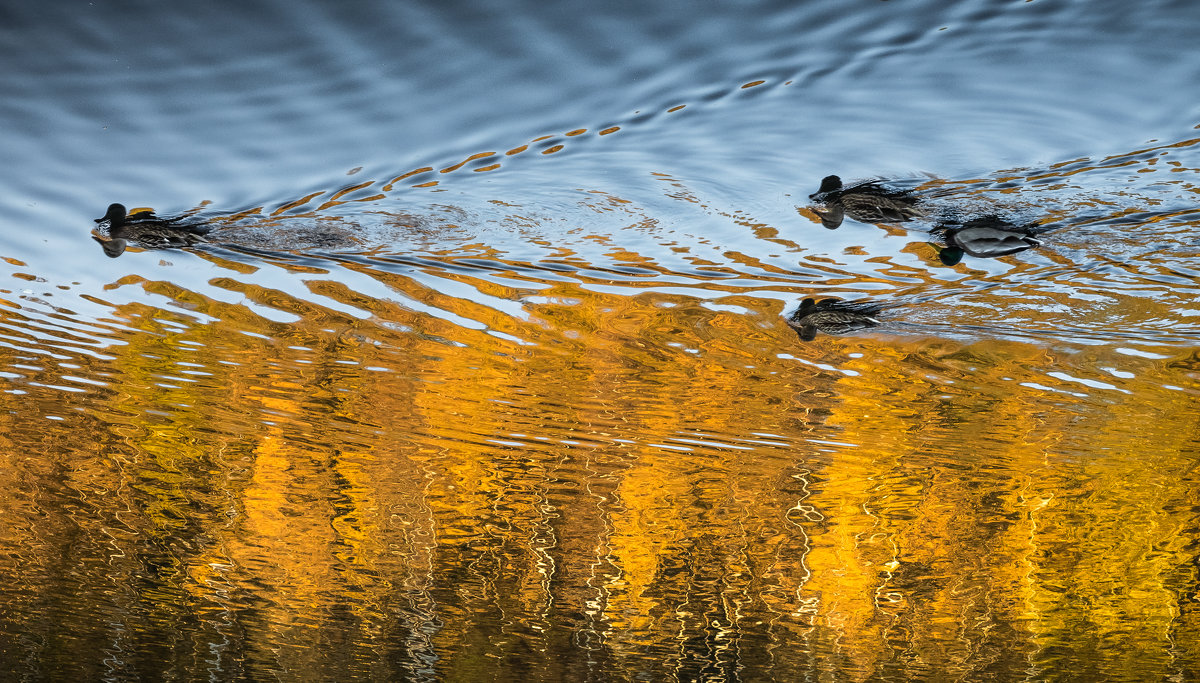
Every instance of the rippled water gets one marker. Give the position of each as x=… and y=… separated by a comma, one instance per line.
x=485, y=371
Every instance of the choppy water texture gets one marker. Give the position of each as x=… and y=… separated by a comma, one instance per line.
x=485, y=370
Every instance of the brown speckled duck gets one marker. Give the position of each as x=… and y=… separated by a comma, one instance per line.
x=868, y=202
x=118, y=229
x=832, y=316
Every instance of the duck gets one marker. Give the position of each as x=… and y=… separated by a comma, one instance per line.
x=868, y=202
x=118, y=229
x=832, y=316
x=988, y=236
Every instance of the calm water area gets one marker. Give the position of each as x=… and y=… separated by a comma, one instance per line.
x=484, y=371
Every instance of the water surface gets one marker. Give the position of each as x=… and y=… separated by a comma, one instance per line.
x=486, y=373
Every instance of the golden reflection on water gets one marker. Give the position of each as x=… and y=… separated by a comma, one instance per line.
x=341, y=484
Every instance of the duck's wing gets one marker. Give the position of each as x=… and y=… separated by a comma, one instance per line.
x=871, y=208
x=146, y=220
x=866, y=308
x=900, y=210
x=171, y=240
x=866, y=187
x=155, y=235
x=998, y=222
x=991, y=243
x=840, y=322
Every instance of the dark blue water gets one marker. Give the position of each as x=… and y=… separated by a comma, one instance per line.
x=394, y=183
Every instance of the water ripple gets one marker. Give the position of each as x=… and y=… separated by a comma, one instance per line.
x=489, y=341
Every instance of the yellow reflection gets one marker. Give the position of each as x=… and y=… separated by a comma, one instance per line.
x=501, y=459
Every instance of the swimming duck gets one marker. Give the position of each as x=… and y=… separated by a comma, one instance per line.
x=832, y=316
x=985, y=237
x=145, y=230
x=868, y=202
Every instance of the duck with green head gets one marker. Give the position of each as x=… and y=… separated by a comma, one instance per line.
x=118, y=229
x=987, y=236
x=867, y=202
x=832, y=316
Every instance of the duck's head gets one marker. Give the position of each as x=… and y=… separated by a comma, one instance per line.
x=832, y=215
x=806, y=332
x=949, y=256
x=114, y=216
x=829, y=183
x=112, y=247
x=811, y=305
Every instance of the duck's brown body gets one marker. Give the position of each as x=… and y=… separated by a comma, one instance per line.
x=119, y=229
x=832, y=316
x=867, y=202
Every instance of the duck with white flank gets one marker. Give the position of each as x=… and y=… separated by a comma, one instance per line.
x=868, y=202
x=984, y=237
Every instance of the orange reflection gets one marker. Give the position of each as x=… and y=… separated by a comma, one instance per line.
x=504, y=453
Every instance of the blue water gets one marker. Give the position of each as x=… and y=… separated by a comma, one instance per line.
x=244, y=107
x=234, y=109
x=452, y=160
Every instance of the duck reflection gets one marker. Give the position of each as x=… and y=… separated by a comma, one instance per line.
x=984, y=237
x=118, y=230
x=868, y=202
x=832, y=316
